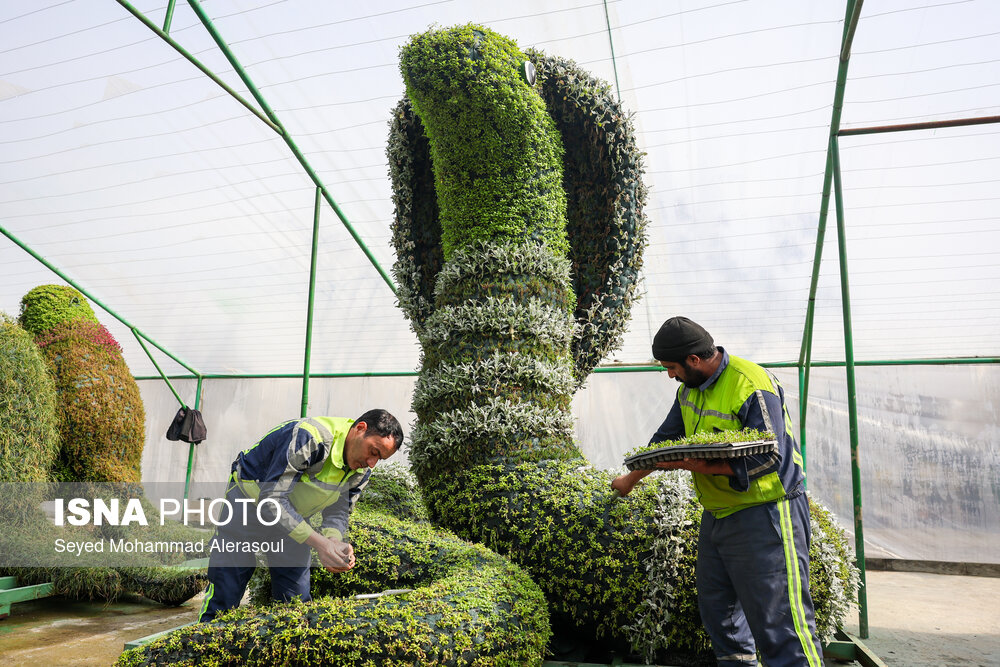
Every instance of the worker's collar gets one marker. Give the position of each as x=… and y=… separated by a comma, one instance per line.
x=718, y=371
x=337, y=451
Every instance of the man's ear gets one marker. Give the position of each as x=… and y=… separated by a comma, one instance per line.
x=361, y=428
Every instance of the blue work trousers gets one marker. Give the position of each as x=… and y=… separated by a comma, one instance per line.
x=753, y=586
x=229, y=572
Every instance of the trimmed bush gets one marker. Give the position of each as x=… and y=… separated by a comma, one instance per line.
x=32, y=540
x=509, y=328
x=101, y=416
x=29, y=441
x=47, y=306
x=468, y=606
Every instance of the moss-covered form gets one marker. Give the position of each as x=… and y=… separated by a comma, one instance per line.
x=87, y=576
x=605, y=197
x=101, y=416
x=496, y=150
x=467, y=606
x=29, y=440
x=605, y=200
x=833, y=577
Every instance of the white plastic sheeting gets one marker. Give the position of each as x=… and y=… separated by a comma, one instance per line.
x=167, y=200
x=928, y=457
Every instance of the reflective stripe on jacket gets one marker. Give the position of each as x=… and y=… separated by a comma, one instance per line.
x=300, y=464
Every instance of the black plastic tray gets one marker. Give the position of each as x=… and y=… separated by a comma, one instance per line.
x=721, y=450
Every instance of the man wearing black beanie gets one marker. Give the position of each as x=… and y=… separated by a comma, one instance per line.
x=753, y=548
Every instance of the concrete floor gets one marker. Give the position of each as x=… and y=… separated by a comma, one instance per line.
x=932, y=620
x=60, y=632
x=915, y=620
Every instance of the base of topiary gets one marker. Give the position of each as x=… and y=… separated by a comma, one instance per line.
x=467, y=606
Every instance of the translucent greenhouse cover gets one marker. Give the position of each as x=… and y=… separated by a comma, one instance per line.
x=148, y=185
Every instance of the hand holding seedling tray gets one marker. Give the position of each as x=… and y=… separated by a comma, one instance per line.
x=720, y=445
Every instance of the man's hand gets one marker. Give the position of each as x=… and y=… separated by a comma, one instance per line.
x=702, y=466
x=334, y=555
x=627, y=482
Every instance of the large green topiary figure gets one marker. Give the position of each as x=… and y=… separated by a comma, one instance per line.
x=519, y=231
x=101, y=416
x=29, y=440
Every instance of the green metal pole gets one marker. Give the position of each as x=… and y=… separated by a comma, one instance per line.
x=852, y=391
x=197, y=406
x=194, y=61
x=802, y=424
x=159, y=370
x=90, y=296
x=309, y=311
x=168, y=19
x=234, y=61
x=611, y=43
x=850, y=26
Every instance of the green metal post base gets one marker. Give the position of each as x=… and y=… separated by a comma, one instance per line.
x=847, y=647
x=11, y=593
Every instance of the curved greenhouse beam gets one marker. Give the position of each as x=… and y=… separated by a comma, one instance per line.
x=135, y=330
x=268, y=116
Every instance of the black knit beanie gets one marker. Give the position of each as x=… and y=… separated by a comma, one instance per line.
x=678, y=338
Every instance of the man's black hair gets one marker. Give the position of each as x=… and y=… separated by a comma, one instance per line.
x=382, y=424
x=706, y=353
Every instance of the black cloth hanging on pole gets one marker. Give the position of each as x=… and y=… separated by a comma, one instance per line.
x=188, y=426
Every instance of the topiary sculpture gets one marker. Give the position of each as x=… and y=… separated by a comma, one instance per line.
x=29, y=440
x=466, y=605
x=519, y=230
x=71, y=411
x=101, y=417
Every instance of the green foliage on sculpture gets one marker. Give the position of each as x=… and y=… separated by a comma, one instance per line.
x=416, y=229
x=47, y=306
x=517, y=334
x=510, y=328
x=496, y=151
x=467, y=606
x=86, y=576
x=602, y=177
x=583, y=546
x=605, y=199
x=834, y=578
x=393, y=489
x=29, y=440
x=101, y=416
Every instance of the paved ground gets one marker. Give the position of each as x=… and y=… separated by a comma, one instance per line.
x=915, y=620
x=932, y=620
x=59, y=632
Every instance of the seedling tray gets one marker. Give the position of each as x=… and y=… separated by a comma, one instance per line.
x=719, y=450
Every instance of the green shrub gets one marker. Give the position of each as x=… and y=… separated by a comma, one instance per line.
x=47, y=306
x=468, y=606
x=150, y=575
x=101, y=416
x=29, y=440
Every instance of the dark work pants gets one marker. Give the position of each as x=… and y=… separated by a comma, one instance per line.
x=229, y=573
x=753, y=585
